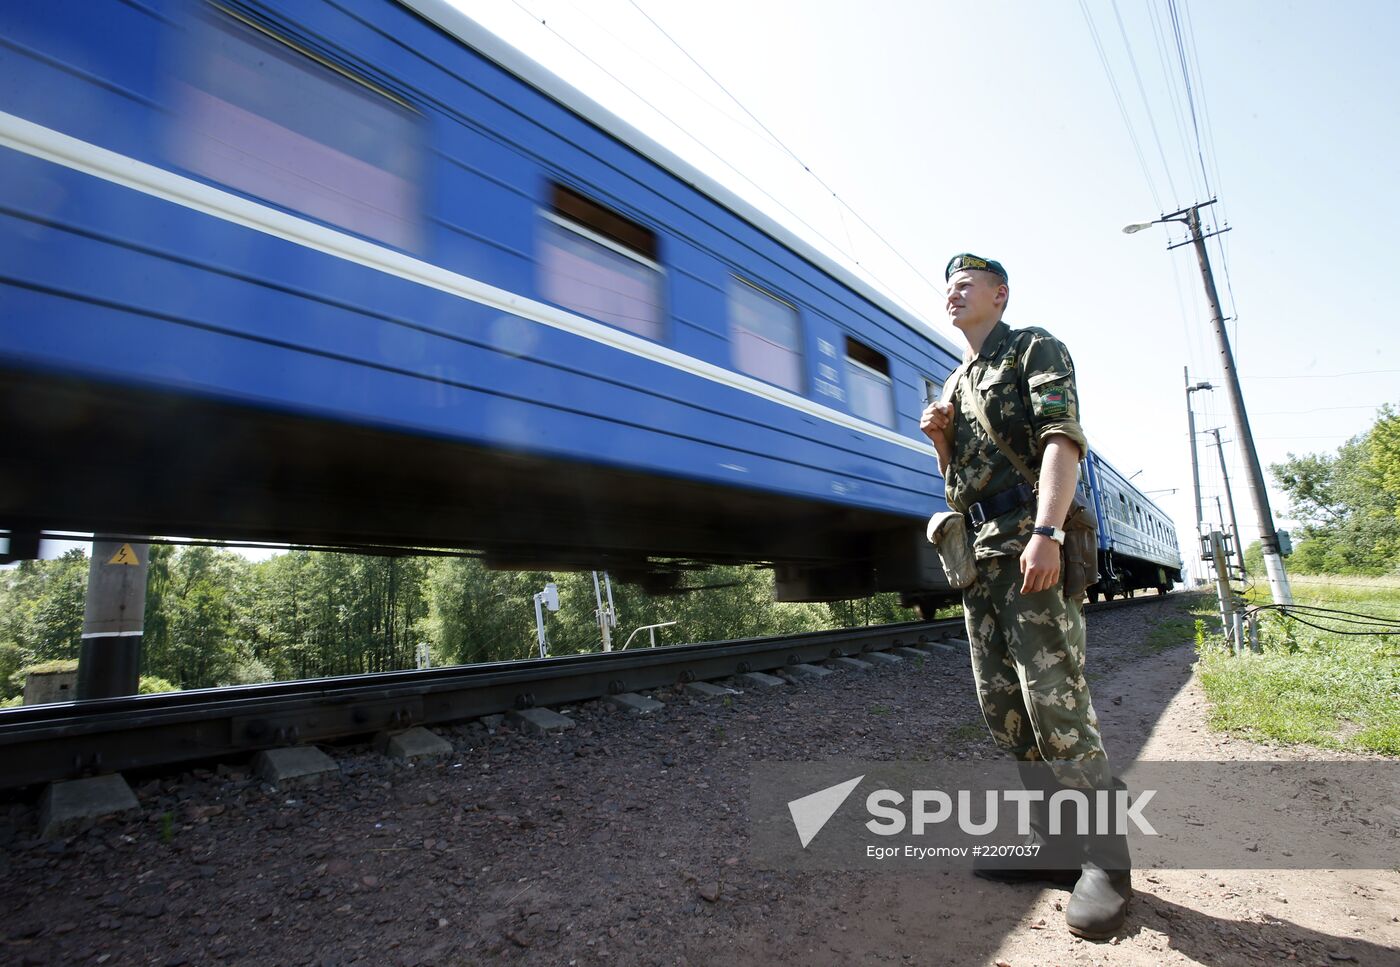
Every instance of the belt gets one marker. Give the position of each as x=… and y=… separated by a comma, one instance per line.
x=993, y=507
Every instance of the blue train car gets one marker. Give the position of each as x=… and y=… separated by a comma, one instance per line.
x=353, y=271
x=1137, y=541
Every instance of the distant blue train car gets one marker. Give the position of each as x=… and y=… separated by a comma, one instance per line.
x=356, y=272
x=1137, y=542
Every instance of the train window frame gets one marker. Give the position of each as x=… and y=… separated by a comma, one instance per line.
x=374, y=194
x=873, y=368
x=614, y=233
x=795, y=352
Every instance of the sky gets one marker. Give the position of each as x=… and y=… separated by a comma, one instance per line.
x=995, y=128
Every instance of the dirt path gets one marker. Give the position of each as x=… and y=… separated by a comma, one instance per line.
x=1177, y=917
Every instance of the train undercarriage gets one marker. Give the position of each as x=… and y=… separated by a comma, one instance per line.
x=1124, y=577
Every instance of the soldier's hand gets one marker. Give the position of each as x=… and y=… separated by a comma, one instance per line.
x=937, y=421
x=1040, y=564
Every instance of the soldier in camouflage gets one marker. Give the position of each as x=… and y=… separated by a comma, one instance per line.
x=1027, y=639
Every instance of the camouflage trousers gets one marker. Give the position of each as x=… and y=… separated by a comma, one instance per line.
x=1028, y=665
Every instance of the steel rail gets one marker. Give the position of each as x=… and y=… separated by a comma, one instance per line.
x=46, y=743
x=50, y=742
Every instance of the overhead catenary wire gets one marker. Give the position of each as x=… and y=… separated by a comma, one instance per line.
x=764, y=136
x=805, y=167
x=889, y=289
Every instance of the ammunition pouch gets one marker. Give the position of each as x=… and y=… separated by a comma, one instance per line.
x=948, y=532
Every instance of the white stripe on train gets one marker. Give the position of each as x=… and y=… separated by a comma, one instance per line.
x=49, y=145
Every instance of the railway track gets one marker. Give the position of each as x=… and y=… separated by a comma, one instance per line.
x=46, y=743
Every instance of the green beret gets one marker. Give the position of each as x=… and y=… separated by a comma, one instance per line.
x=969, y=261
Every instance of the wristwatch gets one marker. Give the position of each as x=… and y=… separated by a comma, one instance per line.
x=1054, y=533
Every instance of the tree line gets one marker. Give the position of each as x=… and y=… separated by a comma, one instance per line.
x=1348, y=503
x=213, y=617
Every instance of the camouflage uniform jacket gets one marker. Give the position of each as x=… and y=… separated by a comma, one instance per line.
x=1025, y=378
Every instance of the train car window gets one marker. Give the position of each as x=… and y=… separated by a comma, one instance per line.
x=765, y=335
x=868, y=380
x=263, y=116
x=600, y=263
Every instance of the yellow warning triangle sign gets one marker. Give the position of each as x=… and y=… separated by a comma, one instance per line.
x=125, y=555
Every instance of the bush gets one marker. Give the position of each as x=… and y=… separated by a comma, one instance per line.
x=12, y=659
x=48, y=667
x=250, y=671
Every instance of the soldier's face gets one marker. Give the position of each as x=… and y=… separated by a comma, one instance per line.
x=974, y=298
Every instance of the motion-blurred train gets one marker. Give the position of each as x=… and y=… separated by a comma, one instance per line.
x=356, y=272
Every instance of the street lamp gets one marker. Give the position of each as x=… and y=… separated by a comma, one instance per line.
x=1268, y=536
x=1191, y=430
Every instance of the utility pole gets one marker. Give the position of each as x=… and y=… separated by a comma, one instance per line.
x=606, y=613
x=1229, y=499
x=1191, y=432
x=109, y=663
x=1268, y=536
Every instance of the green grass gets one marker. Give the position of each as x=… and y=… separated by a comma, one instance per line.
x=969, y=732
x=1176, y=623
x=1310, y=686
x=1170, y=632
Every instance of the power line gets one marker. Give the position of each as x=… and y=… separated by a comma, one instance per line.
x=1200, y=89
x=1122, y=108
x=1147, y=106
x=715, y=80
x=1362, y=372
x=1316, y=409
x=1323, y=436
x=770, y=141
x=1186, y=79
x=1164, y=62
x=805, y=167
x=813, y=229
x=1204, y=144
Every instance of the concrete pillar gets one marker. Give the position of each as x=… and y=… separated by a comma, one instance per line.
x=45, y=687
x=110, y=661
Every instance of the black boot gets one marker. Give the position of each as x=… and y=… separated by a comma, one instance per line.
x=1055, y=858
x=1099, y=903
